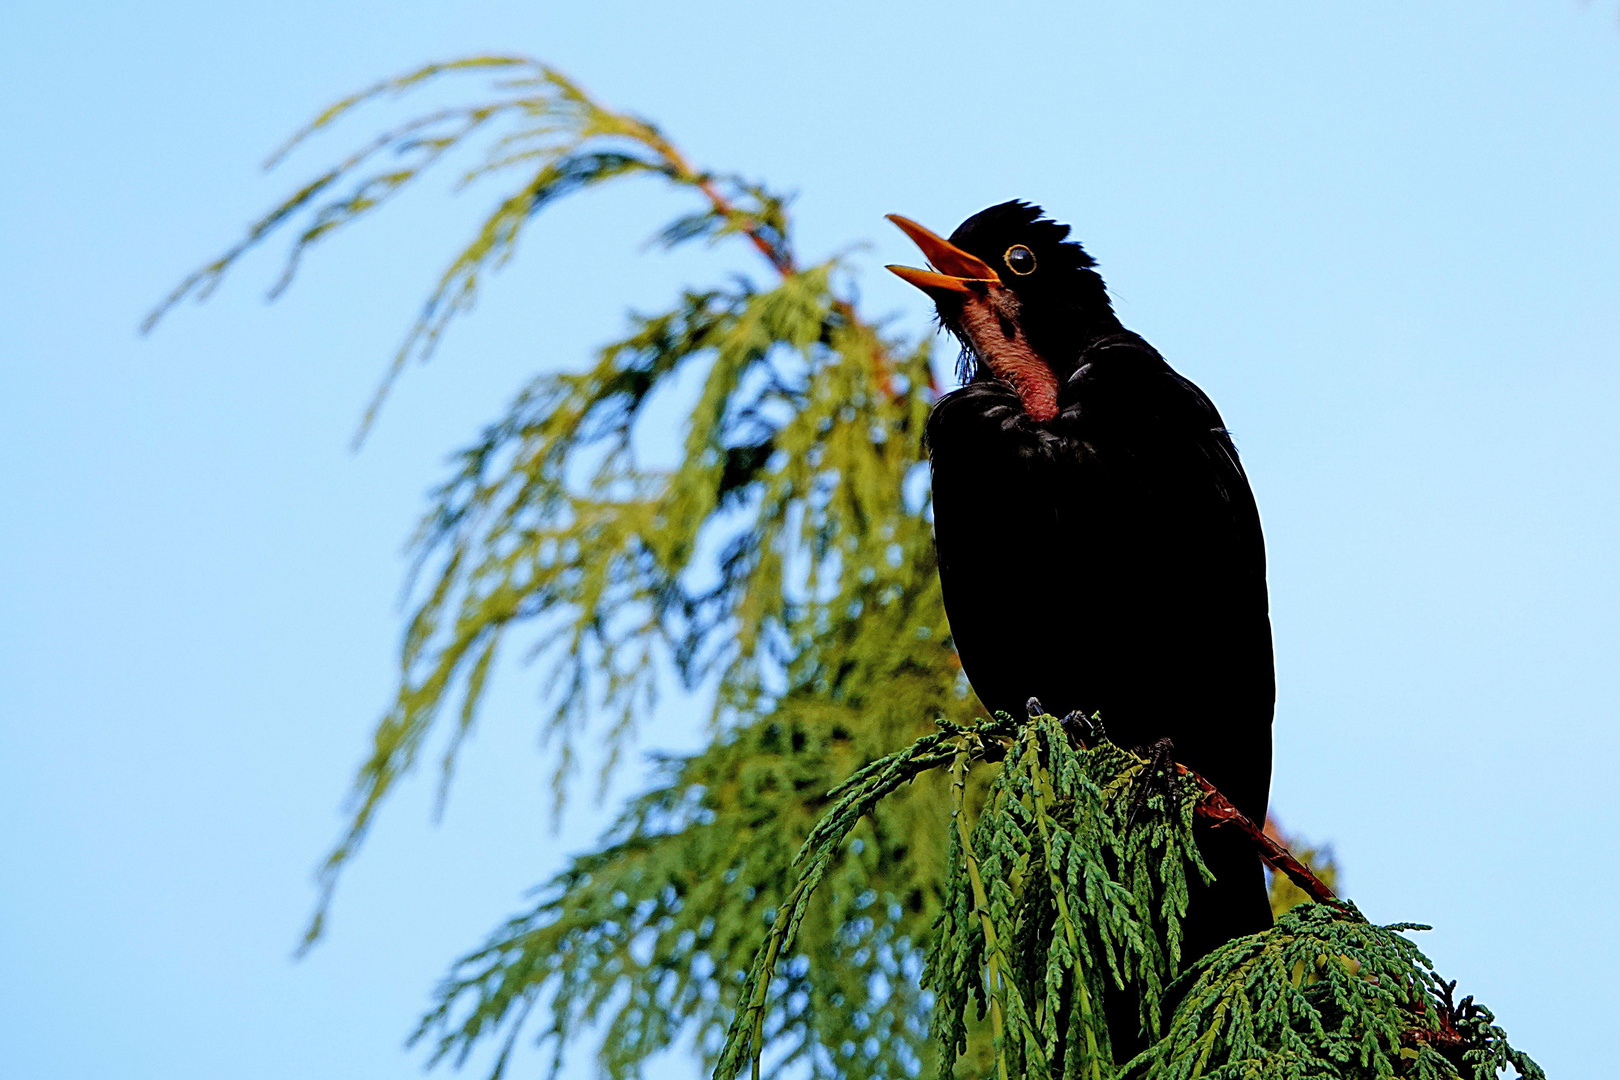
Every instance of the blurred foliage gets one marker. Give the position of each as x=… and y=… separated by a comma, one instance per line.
x=649, y=937
x=783, y=564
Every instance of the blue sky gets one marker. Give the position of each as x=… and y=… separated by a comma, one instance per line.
x=1384, y=239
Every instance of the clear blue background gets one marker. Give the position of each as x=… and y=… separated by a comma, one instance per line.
x=1384, y=237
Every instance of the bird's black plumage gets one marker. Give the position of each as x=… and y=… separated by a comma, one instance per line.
x=1099, y=546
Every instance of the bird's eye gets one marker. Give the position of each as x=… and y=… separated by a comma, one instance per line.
x=1020, y=260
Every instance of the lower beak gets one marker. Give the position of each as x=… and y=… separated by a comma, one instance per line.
x=955, y=272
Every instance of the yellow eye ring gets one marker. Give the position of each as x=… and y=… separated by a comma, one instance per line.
x=1020, y=260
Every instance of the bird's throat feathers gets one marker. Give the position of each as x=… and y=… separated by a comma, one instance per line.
x=990, y=326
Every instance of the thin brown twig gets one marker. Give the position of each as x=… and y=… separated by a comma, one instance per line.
x=1217, y=808
x=781, y=261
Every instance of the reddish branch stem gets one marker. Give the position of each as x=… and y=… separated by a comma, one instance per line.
x=1217, y=808
x=1447, y=1039
x=782, y=262
x=779, y=259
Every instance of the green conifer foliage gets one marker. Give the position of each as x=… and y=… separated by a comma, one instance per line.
x=650, y=937
x=1069, y=891
x=785, y=564
x=807, y=426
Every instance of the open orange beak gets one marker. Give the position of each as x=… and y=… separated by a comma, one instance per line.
x=955, y=271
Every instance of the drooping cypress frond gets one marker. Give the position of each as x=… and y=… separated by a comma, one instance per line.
x=1037, y=921
x=1068, y=894
x=851, y=801
x=650, y=939
x=1326, y=993
x=754, y=566
x=532, y=121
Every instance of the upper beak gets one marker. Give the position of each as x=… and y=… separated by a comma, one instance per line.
x=955, y=271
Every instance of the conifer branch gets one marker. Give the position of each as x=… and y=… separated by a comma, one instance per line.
x=808, y=422
x=781, y=260
x=1380, y=1011
x=852, y=800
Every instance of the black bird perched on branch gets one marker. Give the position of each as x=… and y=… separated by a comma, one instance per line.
x=1099, y=547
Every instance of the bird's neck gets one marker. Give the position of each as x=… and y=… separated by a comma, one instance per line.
x=993, y=332
x=1034, y=355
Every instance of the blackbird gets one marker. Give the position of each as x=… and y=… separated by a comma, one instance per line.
x=1099, y=546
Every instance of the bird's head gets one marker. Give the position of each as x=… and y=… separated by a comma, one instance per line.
x=1023, y=300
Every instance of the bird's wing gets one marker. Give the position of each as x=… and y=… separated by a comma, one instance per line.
x=1006, y=562
x=1174, y=529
